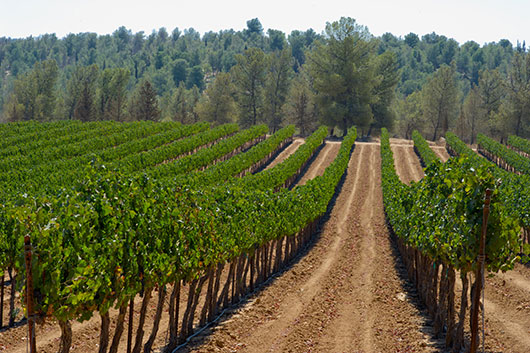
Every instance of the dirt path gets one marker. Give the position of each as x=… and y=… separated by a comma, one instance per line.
x=407, y=164
x=322, y=161
x=345, y=295
x=441, y=152
x=289, y=150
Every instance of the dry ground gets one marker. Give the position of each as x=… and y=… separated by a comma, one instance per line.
x=347, y=293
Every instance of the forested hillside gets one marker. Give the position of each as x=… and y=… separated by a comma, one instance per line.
x=342, y=77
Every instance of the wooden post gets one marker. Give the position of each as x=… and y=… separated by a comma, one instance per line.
x=2, y=300
x=130, y=328
x=479, y=275
x=29, y=295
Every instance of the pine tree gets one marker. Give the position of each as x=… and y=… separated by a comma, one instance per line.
x=113, y=94
x=277, y=87
x=343, y=74
x=81, y=93
x=440, y=100
x=249, y=77
x=217, y=105
x=300, y=107
x=144, y=105
x=34, y=93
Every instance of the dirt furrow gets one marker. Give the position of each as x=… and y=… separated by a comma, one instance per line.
x=274, y=334
x=289, y=150
x=345, y=295
x=312, y=324
x=362, y=275
x=322, y=161
x=441, y=152
x=414, y=164
x=372, y=311
x=401, y=163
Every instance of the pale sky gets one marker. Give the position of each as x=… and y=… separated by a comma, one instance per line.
x=479, y=20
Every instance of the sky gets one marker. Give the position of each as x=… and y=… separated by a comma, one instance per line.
x=483, y=21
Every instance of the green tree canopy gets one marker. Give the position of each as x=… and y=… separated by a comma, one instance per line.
x=343, y=74
x=217, y=105
x=249, y=78
x=144, y=104
x=440, y=100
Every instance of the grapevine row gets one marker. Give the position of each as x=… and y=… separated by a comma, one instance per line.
x=437, y=224
x=515, y=189
x=241, y=164
x=204, y=157
x=39, y=132
x=137, y=234
x=48, y=150
x=46, y=176
x=422, y=148
x=284, y=174
x=77, y=132
x=502, y=155
x=520, y=144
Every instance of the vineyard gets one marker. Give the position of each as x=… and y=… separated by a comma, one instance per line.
x=133, y=237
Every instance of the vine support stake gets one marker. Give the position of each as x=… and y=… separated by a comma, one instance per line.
x=479, y=278
x=2, y=300
x=29, y=295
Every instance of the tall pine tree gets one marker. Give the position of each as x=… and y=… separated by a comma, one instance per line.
x=144, y=105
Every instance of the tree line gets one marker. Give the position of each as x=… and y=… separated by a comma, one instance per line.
x=342, y=77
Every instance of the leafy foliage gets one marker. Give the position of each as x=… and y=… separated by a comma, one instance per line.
x=519, y=143
x=110, y=236
x=514, y=159
x=441, y=215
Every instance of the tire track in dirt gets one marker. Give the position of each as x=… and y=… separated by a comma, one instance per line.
x=272, y=336
x=362, y=276
x=371, y=313
x=326, y=301
x=402, y=164
x=414, y=164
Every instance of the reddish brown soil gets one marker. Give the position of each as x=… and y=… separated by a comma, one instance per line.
x=345, y=295
x=406, y=162
x=322, y=161
x=283, y=155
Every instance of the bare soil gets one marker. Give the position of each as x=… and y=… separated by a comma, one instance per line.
x=441, y=152
x=346, y=294
x=289, y=150
x=322, y=161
